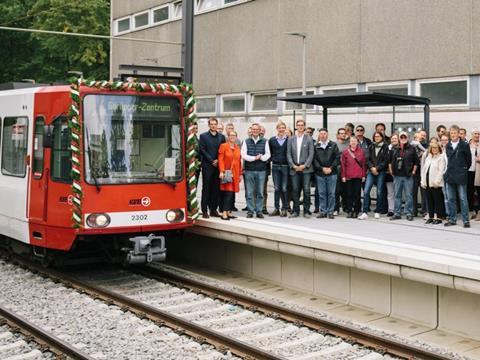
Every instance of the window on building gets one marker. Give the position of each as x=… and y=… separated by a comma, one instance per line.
x=233, y=103
x=123, y=25
x=445, y=92
x=177, y=10
x=141, y=20
x=206, y=105
x=38, y=148
x=160, y=14
x=203, y=5
x=399, y=89
x=297, y=106
x=14, y=146
x=61, y=153
x=344, y=91
x=264, y=102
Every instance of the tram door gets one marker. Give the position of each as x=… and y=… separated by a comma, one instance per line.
x=39, y=177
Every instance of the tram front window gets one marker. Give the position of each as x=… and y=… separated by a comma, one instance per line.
x=132, y=139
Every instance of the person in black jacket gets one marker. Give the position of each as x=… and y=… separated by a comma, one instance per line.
x=403, y=166
x=209, y=143
x=377, y=163
x=325, y=163
x=278, y=157
x=459, y=160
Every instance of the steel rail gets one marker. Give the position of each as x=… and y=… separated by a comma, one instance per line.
x=350, y=334
x=41, y=337
x=161, y=318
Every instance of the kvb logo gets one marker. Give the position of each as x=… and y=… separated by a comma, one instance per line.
x=146, y=201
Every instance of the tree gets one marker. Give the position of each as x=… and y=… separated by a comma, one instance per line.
x=48, y=58
x=17, y=48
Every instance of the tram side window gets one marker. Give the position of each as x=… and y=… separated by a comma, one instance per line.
x=61, y=153
x=14, y=146
x=38, y=148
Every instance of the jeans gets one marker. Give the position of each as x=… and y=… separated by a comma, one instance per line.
x=326, y=186
x=452, y=201
x=445, y=197
x=382, y=201
x=280, y=181
x=403, y=185
x=255, y=182
x=301, y=180
x=371, y=180
x=390, y=196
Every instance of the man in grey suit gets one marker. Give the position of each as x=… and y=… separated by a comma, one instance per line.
x=300, y=151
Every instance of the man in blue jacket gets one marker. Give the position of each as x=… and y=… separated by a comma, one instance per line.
x=459, y=160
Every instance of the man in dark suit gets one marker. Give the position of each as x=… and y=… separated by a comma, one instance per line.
x=459, y=160
x=209, y=143
x=300, y=153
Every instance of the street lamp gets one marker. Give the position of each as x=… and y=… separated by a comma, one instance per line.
x=304, y=65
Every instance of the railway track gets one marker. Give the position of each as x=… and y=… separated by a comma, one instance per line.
x=233, y=323
x=381, y=345
x=201, y=334
x=280, y=331
x=19, y=347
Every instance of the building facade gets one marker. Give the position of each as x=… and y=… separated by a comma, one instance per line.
x=244, y=60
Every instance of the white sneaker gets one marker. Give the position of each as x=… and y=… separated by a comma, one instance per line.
x=426, y=217
x=377, y=215
x=364, y=216
x=335, y=213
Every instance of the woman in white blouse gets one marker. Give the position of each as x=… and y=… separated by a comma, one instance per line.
x=432, y=181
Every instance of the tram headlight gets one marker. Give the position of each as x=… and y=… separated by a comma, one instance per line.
x=175, y=215
x=98, y=220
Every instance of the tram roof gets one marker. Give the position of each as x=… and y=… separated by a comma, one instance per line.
x=358, y=100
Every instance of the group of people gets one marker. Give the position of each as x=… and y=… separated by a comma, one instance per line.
x=445, y=170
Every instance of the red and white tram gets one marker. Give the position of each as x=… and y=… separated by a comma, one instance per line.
x=133, y=171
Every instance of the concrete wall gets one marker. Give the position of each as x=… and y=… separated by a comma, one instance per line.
x=243, y=47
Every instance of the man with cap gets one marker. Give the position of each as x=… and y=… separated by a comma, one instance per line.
x=403, y=166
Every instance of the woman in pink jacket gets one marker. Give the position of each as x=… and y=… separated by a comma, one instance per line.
x=353, y=170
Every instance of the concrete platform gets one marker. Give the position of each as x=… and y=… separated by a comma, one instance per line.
x=409, y=250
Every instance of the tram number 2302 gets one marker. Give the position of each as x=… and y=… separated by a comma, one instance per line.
x=139, y=217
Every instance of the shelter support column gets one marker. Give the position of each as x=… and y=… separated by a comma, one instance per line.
x=325, y=117
x=426, y=118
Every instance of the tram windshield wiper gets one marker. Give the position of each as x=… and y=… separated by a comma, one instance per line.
x=155, y=170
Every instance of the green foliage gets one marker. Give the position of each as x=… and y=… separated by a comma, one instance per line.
x=47, y=58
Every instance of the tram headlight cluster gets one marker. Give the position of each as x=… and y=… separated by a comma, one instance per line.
x=98, y=220
x=175, y=215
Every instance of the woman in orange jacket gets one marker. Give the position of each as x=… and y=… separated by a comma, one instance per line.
x=229, y=160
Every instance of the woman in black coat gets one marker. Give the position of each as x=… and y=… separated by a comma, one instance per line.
x=377, y=163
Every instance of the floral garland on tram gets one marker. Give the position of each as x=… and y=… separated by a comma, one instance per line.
x=75, y=125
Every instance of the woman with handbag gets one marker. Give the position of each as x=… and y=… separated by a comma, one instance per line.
x=230, y=167
x=353, y=169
